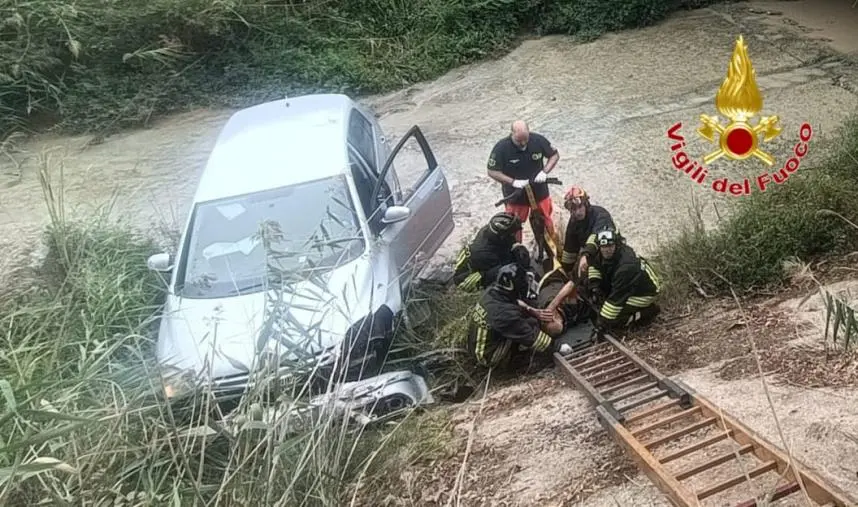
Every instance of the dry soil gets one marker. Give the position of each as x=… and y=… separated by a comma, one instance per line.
x=607, y=106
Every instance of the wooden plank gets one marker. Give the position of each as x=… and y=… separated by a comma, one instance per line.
x=735, y=481
x=611, y=371
x=680, y=432
x=597, y=367
x=625, y=384
x=643, y=401
x=679, y=494
x=714, y=462
x=688, y=449
x=652, y=411
x=642, y=389
x=780, y=492
x=667, y=420
x=817, y=489
x=577, y=365
x=618, y=377
x=595, y=397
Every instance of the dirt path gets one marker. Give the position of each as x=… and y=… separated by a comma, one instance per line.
x=607, y=106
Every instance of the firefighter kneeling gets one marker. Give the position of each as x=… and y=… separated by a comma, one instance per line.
x=502, y=320
x=493, y=246
x=630, y=283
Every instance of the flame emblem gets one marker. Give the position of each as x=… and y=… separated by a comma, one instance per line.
x=740, y=100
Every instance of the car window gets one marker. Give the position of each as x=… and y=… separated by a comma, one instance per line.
x=236, y=244
x=361, y=137
x=365, y=183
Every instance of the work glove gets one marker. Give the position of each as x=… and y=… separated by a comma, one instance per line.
x=520, y=183
x=541, y=177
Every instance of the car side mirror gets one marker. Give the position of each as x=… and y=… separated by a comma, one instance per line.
x=395, y=214
x=161, y=262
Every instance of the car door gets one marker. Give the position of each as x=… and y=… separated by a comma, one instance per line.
x=426, y=194
x=366, y=135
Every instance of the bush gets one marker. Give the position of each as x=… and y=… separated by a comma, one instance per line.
x=787, y=221
x=84, y=423
x=106, y=64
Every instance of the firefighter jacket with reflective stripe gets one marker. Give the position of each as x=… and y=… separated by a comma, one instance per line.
x=581, y=236
x=497, y=322
x=629, y=282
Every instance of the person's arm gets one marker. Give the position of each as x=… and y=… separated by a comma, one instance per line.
x=517, y=326
x=552, y=154
x=570, y=249
x=603, y=219
x=565, y=291
x=493, y=167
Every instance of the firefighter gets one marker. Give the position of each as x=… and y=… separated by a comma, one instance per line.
x=623, y=287
x=493, y=246
x=502, y=320
x=579, y=245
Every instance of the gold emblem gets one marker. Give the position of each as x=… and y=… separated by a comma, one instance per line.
x=739, y=100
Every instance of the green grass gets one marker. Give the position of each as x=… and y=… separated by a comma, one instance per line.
x=83, y=417
x=102, y=65
x=791, y=221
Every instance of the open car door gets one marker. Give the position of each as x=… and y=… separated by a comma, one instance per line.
x=427, y=196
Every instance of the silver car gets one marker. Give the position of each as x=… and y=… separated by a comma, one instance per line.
x=306, y=186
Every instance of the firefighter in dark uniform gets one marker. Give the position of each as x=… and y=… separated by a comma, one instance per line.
x=493, y=246
x=579, y=245
x=502, y=321
x=622, y=285
x=579, y=248
x=517, y=159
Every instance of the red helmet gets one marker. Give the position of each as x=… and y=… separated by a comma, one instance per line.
x=575, y=195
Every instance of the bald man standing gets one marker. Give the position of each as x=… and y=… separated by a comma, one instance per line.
x=517, y=159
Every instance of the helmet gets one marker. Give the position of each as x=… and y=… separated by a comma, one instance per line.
x=512, y=280
x=521, y=255
x=576, y=195
x=504, y=224
x=607, y=236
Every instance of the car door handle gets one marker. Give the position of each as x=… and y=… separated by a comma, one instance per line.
x=439, y=184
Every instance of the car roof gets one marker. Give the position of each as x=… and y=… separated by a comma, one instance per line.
x=278, y=143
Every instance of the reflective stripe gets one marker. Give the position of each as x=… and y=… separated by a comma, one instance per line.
x=610, y=311
x=471, y=281
x=500, y=352
x=464, y=256
x=641, y=301
x=594, y=273
x=652, y=275
x=543, y=341
x=591, y=240
x=568, y=257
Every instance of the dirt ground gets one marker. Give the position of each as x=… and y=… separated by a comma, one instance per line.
x=607, y=106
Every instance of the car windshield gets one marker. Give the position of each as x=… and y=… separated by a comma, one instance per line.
x=235, y=244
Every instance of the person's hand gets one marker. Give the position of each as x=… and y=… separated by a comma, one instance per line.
x=582, y=266
x=541, y=177
x=545, y=315
x=520, y=183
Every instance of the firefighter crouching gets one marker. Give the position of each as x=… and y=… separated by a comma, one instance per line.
x=502, y=320
x=623, y=286
x=493, y=246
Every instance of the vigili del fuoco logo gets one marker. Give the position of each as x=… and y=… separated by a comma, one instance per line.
x=739, y=100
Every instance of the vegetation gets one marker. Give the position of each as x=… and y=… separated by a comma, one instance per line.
x=99, y=65
x=84, y=419
x=798, y=219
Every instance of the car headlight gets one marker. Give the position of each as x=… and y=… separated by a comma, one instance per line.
x=177, y=382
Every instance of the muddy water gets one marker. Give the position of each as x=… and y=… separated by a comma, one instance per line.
x=606, y=105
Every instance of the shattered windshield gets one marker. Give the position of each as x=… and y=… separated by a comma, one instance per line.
x=235, y=244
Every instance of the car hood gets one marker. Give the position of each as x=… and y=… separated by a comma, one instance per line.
x=218, y=338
